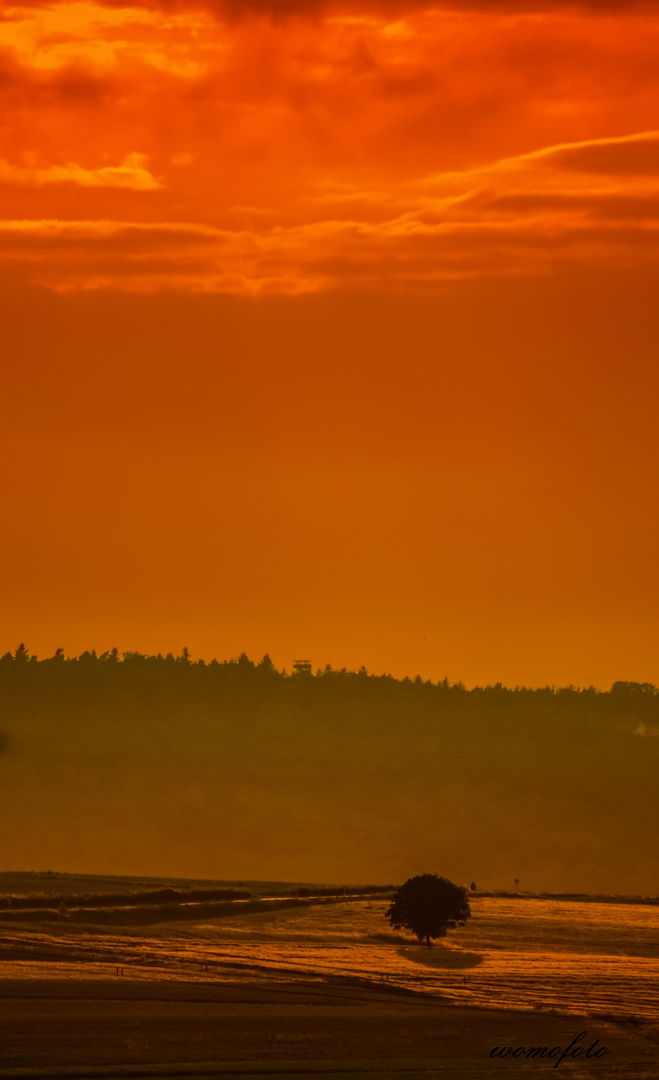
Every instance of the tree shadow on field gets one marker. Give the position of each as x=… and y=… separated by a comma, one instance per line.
x=441, y=958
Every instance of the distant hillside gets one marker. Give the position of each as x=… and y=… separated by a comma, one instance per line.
x=155, y=766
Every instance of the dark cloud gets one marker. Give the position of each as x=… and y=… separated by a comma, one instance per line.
x=639, y=157
x=284, y=9
x=68, y=85
x=624, y=206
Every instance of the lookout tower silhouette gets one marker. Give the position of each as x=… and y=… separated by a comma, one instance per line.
x=302, y=667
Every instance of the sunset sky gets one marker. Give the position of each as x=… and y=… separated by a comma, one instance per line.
x=331, y=330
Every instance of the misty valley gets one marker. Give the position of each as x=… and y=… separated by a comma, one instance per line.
x=160, y=766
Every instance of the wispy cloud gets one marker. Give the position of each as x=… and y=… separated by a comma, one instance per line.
x=380, y=144
x=529, y=214
x=131, y=174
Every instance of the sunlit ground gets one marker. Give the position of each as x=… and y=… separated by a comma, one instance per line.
x=585, y=958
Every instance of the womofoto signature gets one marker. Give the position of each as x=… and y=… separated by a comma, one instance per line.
x=573, y=1050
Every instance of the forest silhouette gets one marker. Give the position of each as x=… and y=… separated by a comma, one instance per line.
x=169, y=681
x=162, y=764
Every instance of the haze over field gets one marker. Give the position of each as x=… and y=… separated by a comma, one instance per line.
x=157, y=766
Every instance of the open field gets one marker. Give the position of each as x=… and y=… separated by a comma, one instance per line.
x=127, y=1029
x=325, y=987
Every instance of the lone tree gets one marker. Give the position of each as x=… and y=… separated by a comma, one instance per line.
x=429, y=906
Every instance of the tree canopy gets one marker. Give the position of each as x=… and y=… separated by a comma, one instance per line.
x=429, y=905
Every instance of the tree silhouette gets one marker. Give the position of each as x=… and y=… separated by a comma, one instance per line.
x=429, y=906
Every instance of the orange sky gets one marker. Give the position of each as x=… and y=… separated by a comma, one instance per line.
x=331, y=329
